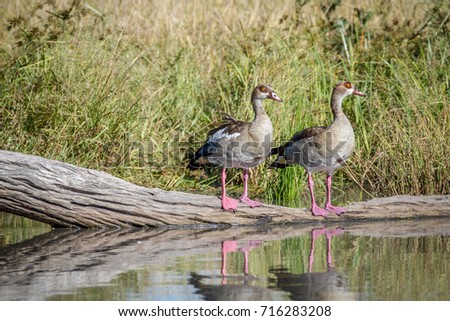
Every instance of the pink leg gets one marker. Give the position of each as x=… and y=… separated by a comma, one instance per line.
x=244, y=198
x=329, y=234
x=246, y=249
x=227, y=247
x=335, y=209
x=228, y=204
x=316, y=210
x=314, y=235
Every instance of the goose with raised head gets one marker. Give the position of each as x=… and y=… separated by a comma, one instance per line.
x=237, y=144
x=322, y=148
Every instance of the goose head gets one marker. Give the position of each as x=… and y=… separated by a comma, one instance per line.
x=345, y=89
x=262, y=92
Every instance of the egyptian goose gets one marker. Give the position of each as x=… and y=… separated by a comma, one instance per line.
x=237, y=144
x=322, y=148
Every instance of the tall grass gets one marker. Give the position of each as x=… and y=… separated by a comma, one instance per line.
x=121, y=87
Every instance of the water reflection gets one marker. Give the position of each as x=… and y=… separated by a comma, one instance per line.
x=316, y=286
x=397, y=260
x=240, y=287
x=229, y=246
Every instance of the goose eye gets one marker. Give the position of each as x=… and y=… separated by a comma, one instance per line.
x=347, y=85
x=263, y=89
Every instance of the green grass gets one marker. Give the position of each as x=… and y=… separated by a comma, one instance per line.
x=132, y=91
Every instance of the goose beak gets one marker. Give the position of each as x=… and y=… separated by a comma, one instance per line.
x=358, y=93
x=275, y=97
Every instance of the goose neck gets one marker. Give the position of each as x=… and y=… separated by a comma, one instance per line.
x=258, y=108
x=336, y=104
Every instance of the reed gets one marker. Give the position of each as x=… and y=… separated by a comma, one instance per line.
x=124, y=88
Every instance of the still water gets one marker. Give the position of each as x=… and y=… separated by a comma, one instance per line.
x=399, y=260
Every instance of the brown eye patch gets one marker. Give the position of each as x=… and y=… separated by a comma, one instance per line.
x=347, y=85
x=263, y=89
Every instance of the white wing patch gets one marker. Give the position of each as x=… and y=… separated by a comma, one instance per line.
x=219, y=135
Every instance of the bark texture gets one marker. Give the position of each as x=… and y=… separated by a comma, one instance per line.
x=64, y=195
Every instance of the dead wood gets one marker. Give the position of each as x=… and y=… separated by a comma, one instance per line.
x=64, y=195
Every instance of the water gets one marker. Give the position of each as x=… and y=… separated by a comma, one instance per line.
x=395, y=260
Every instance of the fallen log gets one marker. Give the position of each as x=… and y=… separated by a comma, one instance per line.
x=65, y=195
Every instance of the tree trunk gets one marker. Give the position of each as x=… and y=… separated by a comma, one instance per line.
x=64, y=195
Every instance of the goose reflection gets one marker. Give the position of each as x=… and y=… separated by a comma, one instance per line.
x=231, y=288
x=315, y=286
